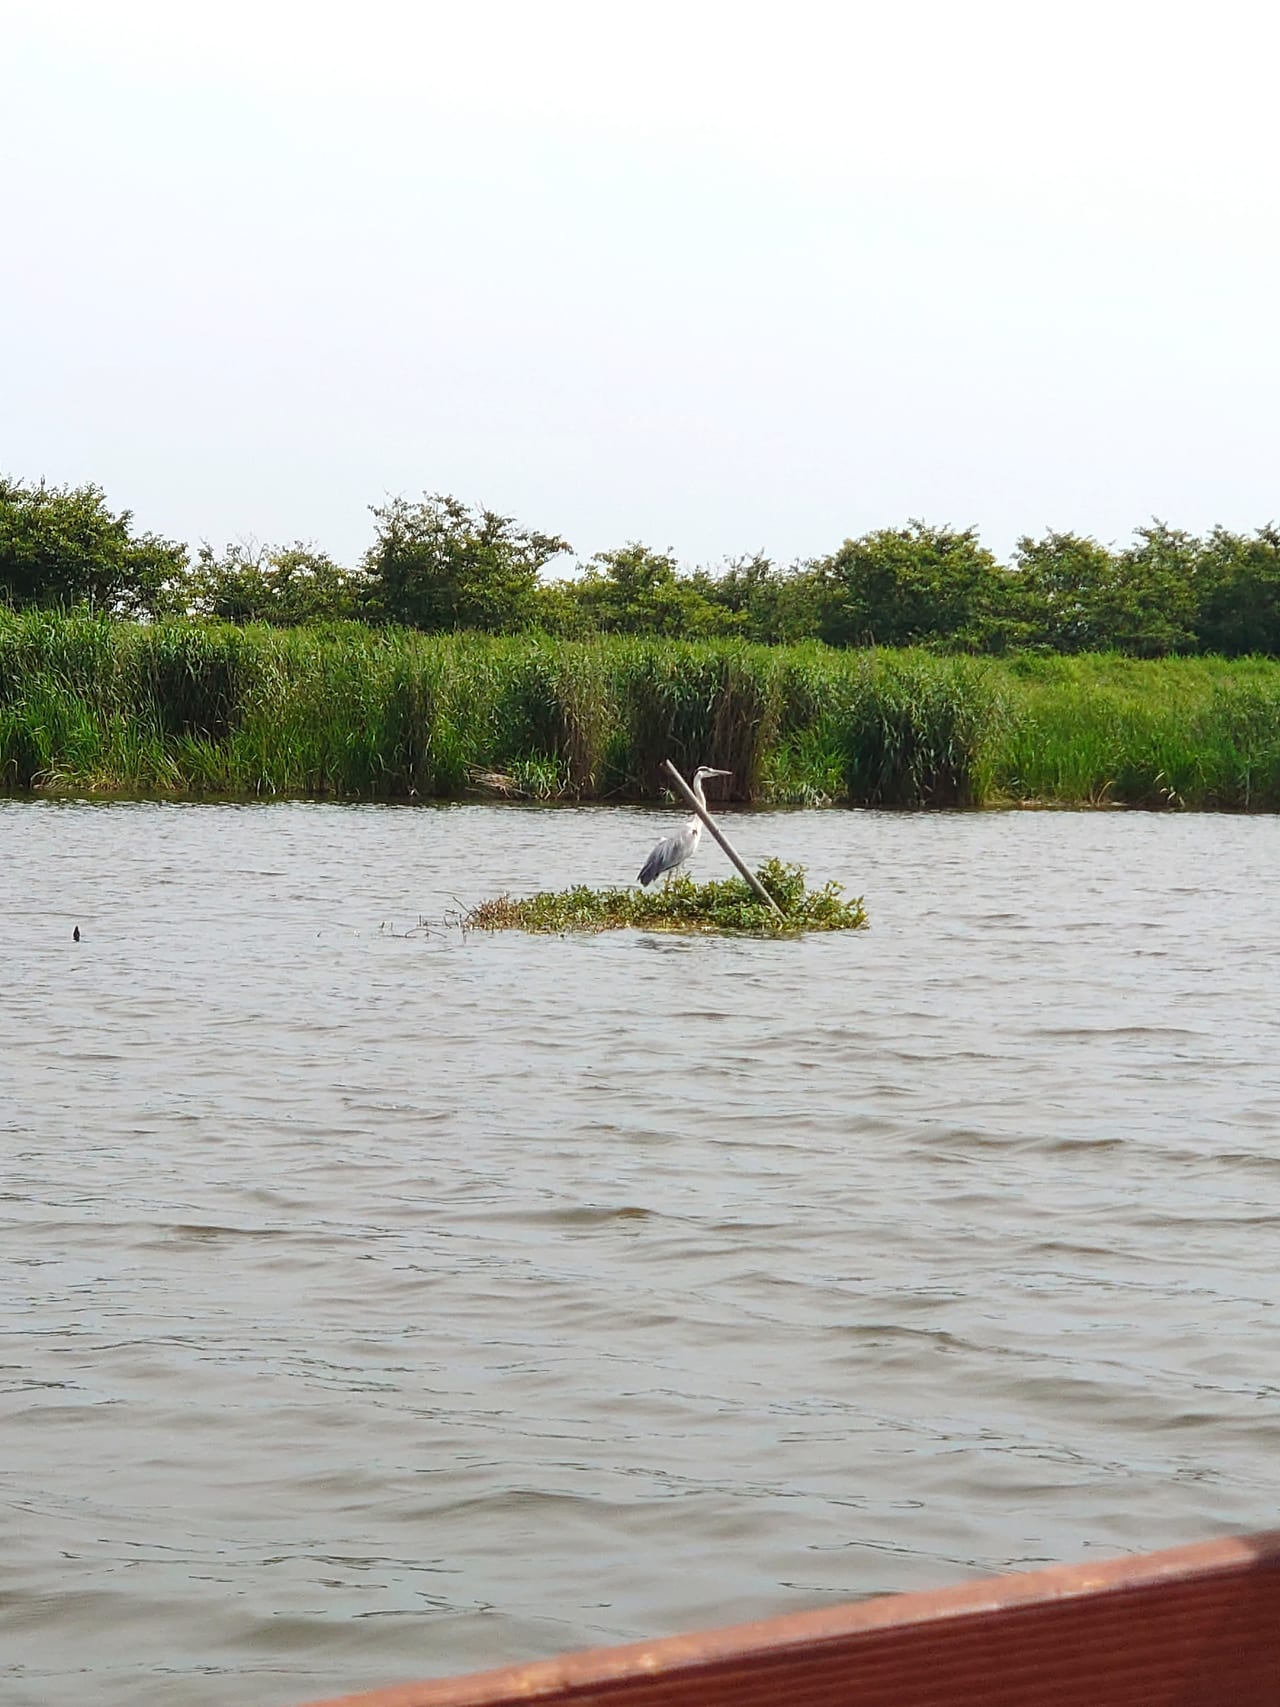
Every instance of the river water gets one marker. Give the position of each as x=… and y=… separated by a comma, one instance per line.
x=380, y=1301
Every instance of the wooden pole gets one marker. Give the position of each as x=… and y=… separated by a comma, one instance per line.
x=720, y=836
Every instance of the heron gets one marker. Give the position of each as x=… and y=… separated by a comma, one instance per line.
x=672, y=851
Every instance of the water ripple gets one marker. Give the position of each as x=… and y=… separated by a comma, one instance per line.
x=379, y=1302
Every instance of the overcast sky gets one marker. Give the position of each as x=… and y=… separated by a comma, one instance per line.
x=715, y=277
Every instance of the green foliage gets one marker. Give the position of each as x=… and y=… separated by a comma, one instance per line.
x=185, y=678
x=695, y=705
x=728, y=906
x=768, y=604
x=557, y=608
x=61, y=546
x=1061, y=583
x=1150, y=607
x=285, y=586
x=1239, y=588
x=914, y=730
x=1240, y=728
x=638, y=591
x=555, y=716
x=439, y=565
x=351, y=712
x=635, y=590
x=20, y=756
x=910, y=586
x=1176, y=733
x=1078, y=596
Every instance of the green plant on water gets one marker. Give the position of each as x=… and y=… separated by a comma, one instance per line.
x=725, y=906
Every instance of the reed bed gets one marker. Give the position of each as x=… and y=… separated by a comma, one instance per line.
x=350, y=712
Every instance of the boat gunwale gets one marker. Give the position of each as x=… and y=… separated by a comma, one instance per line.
x=678, y=1663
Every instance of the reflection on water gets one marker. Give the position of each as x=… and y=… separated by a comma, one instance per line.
x=381, y=1302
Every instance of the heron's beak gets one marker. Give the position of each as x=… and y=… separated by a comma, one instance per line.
x=719, y=773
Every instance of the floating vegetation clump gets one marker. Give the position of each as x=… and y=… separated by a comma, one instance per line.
x=728, y=906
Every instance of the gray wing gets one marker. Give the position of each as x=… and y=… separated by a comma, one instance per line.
x=670, y=852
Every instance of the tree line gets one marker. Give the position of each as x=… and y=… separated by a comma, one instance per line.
x=438, y=564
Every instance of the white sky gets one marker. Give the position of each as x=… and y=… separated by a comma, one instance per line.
x=713, y=276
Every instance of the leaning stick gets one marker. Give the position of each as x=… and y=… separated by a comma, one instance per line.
x=720, y=836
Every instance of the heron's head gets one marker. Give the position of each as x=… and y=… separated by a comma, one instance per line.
x=704, y=771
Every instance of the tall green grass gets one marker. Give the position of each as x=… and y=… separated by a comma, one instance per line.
x=348, y=712
x=1180, y=732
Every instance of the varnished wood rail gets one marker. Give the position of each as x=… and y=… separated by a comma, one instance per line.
x=1193, y=1627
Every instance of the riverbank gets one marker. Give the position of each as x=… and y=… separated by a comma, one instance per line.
x=347, y=712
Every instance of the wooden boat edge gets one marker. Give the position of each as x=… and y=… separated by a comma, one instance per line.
x=1206, y=1577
